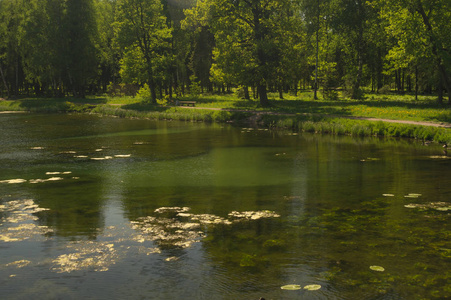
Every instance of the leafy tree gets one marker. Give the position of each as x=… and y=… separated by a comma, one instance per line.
x=108, y=50
x=421, y=29
x=59, y=45
x=351, y=20
x=81, y=52
x=142, y=32
x=247, y=39
x=11, y=18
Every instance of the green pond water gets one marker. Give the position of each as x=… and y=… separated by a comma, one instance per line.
x=107, y=208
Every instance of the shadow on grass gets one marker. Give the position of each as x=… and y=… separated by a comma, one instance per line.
x=311, y=106
x=145, y=107
x=444, y=116
x=57, y=104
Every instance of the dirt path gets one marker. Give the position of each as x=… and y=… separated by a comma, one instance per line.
x=421, y=123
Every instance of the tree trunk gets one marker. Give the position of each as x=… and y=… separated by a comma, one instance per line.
x=440, y=91
x=246, y=93
x=4, y=81
x=416, y=83
x=261, y=89
x=153, y=92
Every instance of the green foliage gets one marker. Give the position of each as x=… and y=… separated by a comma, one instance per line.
x=144, y=93
x=194, y=88
x=144, y=37
x=121, y=89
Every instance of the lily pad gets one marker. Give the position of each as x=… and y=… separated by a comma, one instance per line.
x=291, y=287
x=377, y=268
x=12, y=181
x=122, y=155
x=312, y=287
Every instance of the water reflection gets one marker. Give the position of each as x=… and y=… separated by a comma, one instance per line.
x=234, y=214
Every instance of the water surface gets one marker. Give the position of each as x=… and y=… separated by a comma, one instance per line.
x=107, y=208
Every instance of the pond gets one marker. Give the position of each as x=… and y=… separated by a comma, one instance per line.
x=108, y=208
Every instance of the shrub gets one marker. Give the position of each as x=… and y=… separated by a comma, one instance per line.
x=144, y=93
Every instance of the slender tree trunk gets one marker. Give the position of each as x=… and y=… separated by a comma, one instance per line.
x=440, y=91
x=246, y=93
x=280, y=92
x=153, y=91
x=315, y=94
x=356, y=87
x=4, y=81
x=416, y=83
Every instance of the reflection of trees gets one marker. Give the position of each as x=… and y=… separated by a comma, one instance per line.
x=75, y=207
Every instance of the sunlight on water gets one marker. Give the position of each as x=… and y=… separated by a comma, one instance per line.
x=116, y=209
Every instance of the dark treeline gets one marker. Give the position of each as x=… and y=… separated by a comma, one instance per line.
x=55, y=48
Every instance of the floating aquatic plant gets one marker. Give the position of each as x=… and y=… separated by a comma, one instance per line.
x=377, y=268
x=172, y=258
x=58, y=173
x=45, y=180
x=171, y=209
x=20, y=214
x=370, y=159
x=253, y=215
x=412, y=195
x=441, y=206
x=102, y=158
x=175, y=227
x=312, y=287
x=12, y=181
x=87, y=255
x=19, y=264
x=291, y=287
x=122, y=155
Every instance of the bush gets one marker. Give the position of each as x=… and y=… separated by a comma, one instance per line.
x=330, y=94
x=144, y=93
x=386, y=89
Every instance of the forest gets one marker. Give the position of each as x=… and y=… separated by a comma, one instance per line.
x=57, y=48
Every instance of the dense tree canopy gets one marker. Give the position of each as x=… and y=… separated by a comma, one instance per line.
x=79, y=47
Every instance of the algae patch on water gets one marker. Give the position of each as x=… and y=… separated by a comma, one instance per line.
x=176, y=227
x=440, y=206
x=253, y=215
x=19, y=264
x=96, y=256
x=18, y=218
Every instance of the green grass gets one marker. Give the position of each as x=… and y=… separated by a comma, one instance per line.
x=393, y=106
x=361, y=128
x=302, y=112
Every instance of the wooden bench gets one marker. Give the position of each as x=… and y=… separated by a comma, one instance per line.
x=187, y=103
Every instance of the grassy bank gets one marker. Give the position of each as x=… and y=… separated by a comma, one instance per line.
x=296, y=113
x=361, y=128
